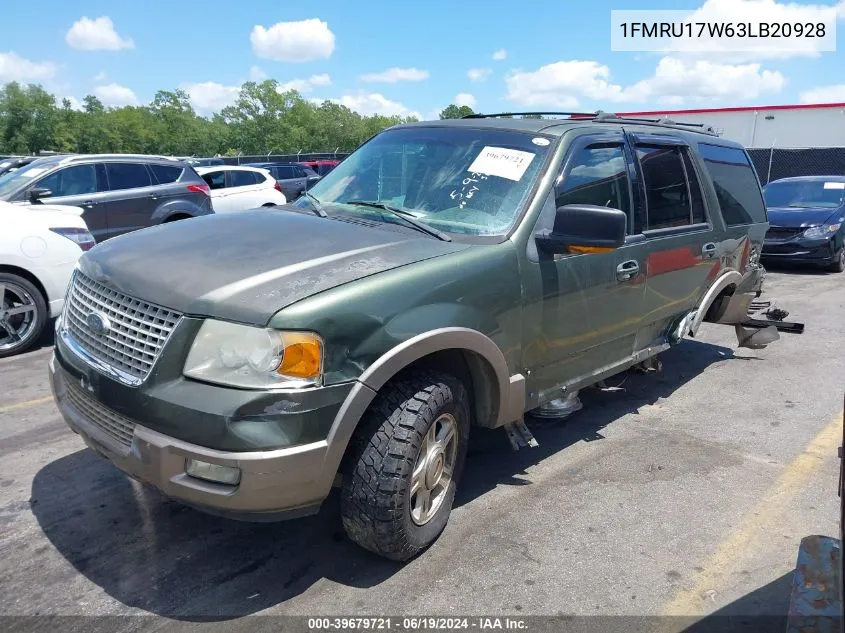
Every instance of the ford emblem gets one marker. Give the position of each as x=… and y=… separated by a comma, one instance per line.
x=98, y=323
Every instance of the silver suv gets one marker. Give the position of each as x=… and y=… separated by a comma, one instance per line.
x=117, y=192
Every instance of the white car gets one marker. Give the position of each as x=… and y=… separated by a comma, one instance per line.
x=235, y=188
x=39, y=248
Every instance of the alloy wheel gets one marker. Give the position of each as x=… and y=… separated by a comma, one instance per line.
x=434, y=468
x=18, y=315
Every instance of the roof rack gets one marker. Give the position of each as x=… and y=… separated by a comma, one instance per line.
x=606, y=117
x=512, y=114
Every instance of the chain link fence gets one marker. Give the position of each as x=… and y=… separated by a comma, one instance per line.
x=284, y=158
x=775, y=163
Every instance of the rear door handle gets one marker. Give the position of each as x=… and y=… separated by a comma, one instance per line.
x=627, y=270
x=709, y=249
x=88, y=203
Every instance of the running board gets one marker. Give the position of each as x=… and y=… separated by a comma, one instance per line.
x=790, y=327
x=519, y=435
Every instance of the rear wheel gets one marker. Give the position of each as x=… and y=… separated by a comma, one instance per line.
x=408, y=457
x=838, y=264
x=23, y=314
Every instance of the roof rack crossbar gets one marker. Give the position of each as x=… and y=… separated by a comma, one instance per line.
x=501, y=114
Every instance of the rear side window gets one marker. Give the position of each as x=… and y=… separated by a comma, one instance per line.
x=284, y=171
x=597, y=175
x=127, y=176
x=165, y=174
x=215, y=179
x=671, y=201
x=244, y=178
x=735, y=181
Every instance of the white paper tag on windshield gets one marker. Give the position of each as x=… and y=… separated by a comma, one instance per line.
x=502, y=162
x=834, y=185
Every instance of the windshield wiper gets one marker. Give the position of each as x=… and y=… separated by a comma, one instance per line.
x=404, y=215
x=315, y=204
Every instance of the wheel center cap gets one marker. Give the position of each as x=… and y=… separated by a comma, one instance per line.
x=435, y=469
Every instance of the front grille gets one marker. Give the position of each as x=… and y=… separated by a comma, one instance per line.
x=137, y=329
x=782, y=233
x=119, y=428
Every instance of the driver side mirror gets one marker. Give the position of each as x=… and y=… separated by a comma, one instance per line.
x=584, y=228
x=37, y=193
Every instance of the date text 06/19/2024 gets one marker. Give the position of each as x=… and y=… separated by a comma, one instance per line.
x=422, y=623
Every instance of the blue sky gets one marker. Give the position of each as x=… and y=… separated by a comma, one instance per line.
x=397, y=57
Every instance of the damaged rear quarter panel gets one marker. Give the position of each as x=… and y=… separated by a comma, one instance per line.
x=478, y=288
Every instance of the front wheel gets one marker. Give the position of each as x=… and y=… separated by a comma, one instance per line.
x=838, y=264
x=408, y=456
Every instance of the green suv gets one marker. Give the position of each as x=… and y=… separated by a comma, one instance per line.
x=446, y=275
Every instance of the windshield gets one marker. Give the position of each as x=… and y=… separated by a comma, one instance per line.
x=467, y=181
x=805, y=194
x=13, y=180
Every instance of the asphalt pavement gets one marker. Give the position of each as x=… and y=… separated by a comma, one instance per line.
x=681, y=493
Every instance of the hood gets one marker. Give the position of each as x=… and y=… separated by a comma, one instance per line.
x=799, y=218
x=43, y=216
x=246, y=266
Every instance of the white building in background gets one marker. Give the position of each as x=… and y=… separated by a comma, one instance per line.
x=787, y=126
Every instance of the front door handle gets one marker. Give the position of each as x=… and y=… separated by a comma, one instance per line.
x=709, y=249
x=627, y=270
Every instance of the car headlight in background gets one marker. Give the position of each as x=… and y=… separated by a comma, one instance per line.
x=254, y=357
x=821, y=232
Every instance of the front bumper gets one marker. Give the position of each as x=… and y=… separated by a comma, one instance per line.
x=275, y=483
x=804, y=251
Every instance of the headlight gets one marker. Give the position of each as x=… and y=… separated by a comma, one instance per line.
x=253, y=357
x=821, y=232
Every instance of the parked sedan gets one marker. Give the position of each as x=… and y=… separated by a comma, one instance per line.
x=806, y=221
x=39, y=247
x=236, y=188
x=293, y=178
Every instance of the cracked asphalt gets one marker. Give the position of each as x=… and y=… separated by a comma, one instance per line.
x=686, y=492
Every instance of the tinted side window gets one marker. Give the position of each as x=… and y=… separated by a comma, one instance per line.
x=166, y=174
x=243, y=178
x=598, y=175
x=666, y=190
x=71, y=181
x=215, y=179
x=736, y=184
x=284, y=171
x=127, y=176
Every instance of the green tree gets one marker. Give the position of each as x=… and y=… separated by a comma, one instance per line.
x=453, y=111
x=27, y=118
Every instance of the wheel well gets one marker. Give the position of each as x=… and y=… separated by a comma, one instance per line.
x=269, y=204
x=22, y=272
x=716, y=308
x=473, y=371
x=176, y=216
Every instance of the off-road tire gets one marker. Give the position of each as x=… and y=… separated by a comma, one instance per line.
x=838, y=264
x=41, y=313
x=375, y=503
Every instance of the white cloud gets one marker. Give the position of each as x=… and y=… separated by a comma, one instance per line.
x=256, y=73
x=305, y=85
x=13, y=67
x=96, y=35
x=479, y=74
x=100, y=77
x=564, y=84
x=375, y=103
x=824, y=94
x=394, y=75
x=500, y=54
x=301, y=41
x=465, y=99
x=754, y=12
x=116, y=95
x=211, y=96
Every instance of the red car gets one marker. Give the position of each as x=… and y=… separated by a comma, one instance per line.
x=322, y=167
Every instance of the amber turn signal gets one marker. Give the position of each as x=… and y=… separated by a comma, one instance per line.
x=302, y=355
